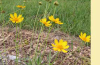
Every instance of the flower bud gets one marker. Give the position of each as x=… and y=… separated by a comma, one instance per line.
x=40, y=3
x=56, y=3
x=50, y=1
x=3, y=11
x=24, y=1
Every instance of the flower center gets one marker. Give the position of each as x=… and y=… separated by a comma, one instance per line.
x=45, y=23
x=84, y=38
x=60, y=46
x=16, y=19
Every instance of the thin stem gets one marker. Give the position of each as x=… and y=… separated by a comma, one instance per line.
x=16, y=46
x=65, y=58
x=33, y=27
x=1, y=58
x=2, y=30
x=38, y=40
x=54, y=11
x=45, y=11
x=37, y=44
x=36, y=16
x=50, y=28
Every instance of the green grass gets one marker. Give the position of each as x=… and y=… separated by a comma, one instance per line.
x=75, y=14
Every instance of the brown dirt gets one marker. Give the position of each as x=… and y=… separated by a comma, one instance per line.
x=79, y=55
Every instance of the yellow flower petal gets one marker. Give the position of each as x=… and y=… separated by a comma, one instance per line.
x=48, y=22
x=60, y=23
x=88, y=37
x=16, y=19
x=64, y=51
x=11, y=16
x=81, y=33
x=15, y=15
x=84, y=35
x=59, y=50
x=55, y=49
x=80, y=37
x=66, y=47
x=56, y=41
x=53, y=45
x=64, y=43
x=45, y=19
x=51, y=18
x=61, y=41
x=21, y=19
x=19, y=16
x=57, y=19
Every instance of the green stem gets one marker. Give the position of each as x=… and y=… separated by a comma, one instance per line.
x=65, y=58
x=50, y=28
x=45, y=11
x=38, y=41
x=16, y=45
x=1, y=58
x=37, y=45
x=36, y=16
x=57, y=53
x=2, y=29
x=54, y=11
x=33, y=27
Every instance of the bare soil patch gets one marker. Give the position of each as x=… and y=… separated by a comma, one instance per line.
x=26, y=44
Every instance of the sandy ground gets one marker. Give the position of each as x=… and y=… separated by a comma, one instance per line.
x=77, y=55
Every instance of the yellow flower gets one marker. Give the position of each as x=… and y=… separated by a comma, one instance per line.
x=84, y=38
x=51, y=18
x=60, y=46
x=16, y=19
x=45, y=22
x=19, y=6
x=55, y=20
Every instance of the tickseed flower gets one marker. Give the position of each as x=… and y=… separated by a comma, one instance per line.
x=19, y=6
x=84, y=38
x=45, y=22
x=16, y=19
x=55, y=20
x=52, y=18
x=60, y=46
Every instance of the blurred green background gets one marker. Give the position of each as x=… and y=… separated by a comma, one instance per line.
x=75, y=14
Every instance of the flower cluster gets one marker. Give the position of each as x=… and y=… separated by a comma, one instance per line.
x=60, y=45
x=51, y=18
x=84, y=38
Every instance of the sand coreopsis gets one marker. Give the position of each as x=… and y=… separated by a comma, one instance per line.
x=60, y=46
x=16, y=19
